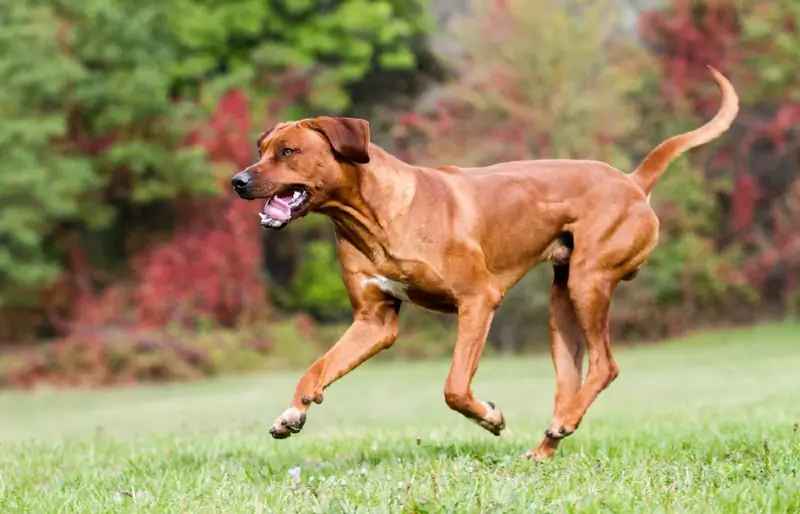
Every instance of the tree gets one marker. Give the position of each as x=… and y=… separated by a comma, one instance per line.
x=89, y=134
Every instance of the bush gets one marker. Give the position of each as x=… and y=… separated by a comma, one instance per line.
x=103, y=357
x=114, y=356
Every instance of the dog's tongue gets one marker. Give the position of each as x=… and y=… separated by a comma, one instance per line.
x=278, y=209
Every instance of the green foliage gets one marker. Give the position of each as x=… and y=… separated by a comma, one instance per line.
x=317, y=286
x=329, y=43
x=88, y=121
x=775, y=52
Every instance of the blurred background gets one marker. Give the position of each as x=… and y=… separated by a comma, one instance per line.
x=125, y=257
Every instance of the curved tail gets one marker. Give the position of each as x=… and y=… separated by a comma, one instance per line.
x=656, y=162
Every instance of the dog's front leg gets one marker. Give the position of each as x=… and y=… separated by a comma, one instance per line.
x=474, y=319
x=374, y=329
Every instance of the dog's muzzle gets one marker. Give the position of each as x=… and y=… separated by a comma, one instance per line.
x=281, y=207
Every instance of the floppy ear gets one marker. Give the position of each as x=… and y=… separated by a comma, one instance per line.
x=349, y=137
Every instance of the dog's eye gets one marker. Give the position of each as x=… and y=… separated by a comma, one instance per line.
x=286, y=152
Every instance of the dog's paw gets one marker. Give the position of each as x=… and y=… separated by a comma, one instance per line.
x=493, y=420
x=288, y=423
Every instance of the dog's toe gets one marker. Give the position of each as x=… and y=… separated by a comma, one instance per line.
x=288, y=423
x=493, y=421
x=558, y=432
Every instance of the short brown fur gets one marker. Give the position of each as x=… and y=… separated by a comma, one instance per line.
x=456, y=240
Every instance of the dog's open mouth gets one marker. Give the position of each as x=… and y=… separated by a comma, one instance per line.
x=283, y=207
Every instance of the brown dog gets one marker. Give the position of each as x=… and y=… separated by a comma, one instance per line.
x=455, y=240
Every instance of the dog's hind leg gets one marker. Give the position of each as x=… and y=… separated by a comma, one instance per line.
x=591, y=298
x=567, y=347
x=474, y=319
x=607, y=255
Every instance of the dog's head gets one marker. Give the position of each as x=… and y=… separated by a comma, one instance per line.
x=300, y=166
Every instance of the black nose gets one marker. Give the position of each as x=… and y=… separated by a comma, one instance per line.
x=240, y=180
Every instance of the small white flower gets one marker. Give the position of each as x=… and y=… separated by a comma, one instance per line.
x=295, y=474
x=363, y=471
x=400, y=485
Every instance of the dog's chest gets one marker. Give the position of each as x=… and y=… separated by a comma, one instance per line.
x=390, y=287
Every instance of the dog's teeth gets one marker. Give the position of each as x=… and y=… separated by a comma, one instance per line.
x=262, y=216
x=295, y=195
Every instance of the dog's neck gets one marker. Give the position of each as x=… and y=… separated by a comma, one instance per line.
x=371, y=197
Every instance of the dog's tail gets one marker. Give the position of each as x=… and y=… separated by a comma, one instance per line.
x=657, y=161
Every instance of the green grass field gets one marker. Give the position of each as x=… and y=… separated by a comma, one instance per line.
x=705, y=424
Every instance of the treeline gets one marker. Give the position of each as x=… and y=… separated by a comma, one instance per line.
x=122, y=123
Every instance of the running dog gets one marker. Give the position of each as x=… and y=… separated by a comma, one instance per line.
x=455, y=240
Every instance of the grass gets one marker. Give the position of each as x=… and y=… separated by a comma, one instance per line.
x=705, y=424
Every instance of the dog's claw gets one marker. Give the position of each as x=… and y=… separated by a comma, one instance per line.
x=288, y=423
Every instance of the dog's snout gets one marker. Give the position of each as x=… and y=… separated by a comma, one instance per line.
x=241, y=180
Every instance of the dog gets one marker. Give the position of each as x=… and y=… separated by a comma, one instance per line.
x=455, y=240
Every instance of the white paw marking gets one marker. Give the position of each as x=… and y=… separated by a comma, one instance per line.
x=291, y=414
x=291, y=417
x=492, y=420
x=391, y=287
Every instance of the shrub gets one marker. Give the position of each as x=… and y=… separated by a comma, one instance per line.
x=103, y=357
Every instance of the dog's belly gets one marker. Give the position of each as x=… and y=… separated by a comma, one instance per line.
x=408, y=293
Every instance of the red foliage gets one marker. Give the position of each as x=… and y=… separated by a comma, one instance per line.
x=210, y=267
x=203, y=272
x=208, y=270
x=743, y=200
x=688, y=36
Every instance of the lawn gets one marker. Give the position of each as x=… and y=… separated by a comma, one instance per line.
x=704, y=424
